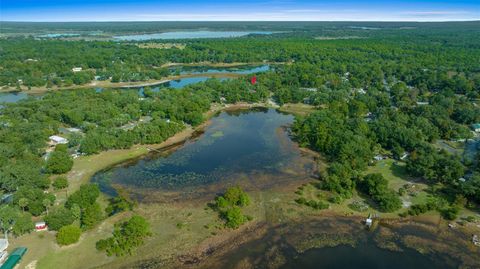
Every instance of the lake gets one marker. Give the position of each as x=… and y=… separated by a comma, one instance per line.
x=243, y=70
x=249, y=146
x=252, y=148
x=199, y=70
x=180, y=83
x=57, y=35
x=12, y=97
x=189, y=35
x=335, y=242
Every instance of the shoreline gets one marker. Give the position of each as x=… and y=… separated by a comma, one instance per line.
x=124, y=85
x=109, y=84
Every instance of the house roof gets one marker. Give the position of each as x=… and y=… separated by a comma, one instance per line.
x=3, y=244
x=57, y=138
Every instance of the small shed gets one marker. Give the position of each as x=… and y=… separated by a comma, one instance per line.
x=76, y=69
x=40, y=226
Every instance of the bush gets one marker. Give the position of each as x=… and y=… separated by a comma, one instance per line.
x=229, y=207
x=234, y=217
x=301, y=201
x=450, y=213
x=60, y=183
x=235, y=196
x=126, y=237
x=68, y=235
x=118, y=204
x=311, y=203
x=317, y=204
x=358, y=206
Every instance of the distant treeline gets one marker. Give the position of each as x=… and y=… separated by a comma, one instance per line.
x=432, y=50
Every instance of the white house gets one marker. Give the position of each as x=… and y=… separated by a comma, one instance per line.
x=3, y=249
x=76, y=69
x=55, y=139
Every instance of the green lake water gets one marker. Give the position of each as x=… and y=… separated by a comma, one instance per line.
x=249, y=145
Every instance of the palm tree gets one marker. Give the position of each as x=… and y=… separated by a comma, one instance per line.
x=46, y=203
x=23, y=202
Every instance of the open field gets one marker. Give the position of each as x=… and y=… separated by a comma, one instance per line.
x=297, y=109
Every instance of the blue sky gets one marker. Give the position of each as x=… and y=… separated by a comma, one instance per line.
x=244, y=10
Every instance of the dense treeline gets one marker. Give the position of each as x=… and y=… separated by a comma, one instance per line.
x=352, y=126
x=389, y=53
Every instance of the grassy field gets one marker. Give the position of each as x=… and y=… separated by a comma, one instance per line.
x=297, y=109
x=177, y=229
x=396, y=174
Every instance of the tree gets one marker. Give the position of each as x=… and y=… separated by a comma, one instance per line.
x=23, y=202
x=59, y=162
x=76, y=211
x=60, y=183
x=46, y=203
x=84, y=197
x=234, y=217
x=91, y=216
x=377, y=187
x=127, y=236
x=236, y=196
x=68, y=235
x=58, y=218
x=12, y=218
x=229, y=206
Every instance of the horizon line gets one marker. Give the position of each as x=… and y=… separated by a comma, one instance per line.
x=416, y=21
